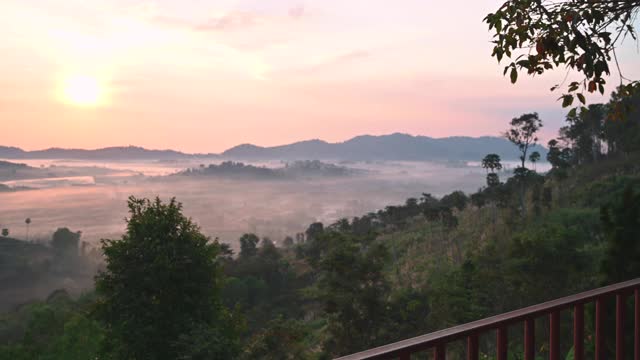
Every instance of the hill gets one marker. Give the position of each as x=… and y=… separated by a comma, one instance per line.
x=400, y=147
x=294, y=170
x=386, y=147
x=109, y=153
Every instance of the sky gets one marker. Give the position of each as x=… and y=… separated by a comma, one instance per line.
x=203, y=76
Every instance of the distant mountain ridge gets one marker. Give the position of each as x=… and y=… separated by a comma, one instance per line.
x=397, y=146
x=385, y=147
x=109, y=153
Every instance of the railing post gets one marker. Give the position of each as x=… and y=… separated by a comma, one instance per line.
x=472, y=347
x=440, y=352
x=578, y=332
x=620, y=307
x=554, y=336
x=636, y=316
x=599, y=331
x=501, y=343
x=530, y=339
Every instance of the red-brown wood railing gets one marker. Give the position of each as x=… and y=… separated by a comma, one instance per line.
x=471, y=331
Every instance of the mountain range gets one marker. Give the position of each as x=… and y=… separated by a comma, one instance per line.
x=397, y=146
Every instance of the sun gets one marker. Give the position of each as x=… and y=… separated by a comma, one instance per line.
x=83, y=90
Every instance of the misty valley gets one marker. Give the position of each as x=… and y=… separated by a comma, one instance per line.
x=317, y=180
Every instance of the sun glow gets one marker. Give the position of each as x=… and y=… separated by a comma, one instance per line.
x=83, y=90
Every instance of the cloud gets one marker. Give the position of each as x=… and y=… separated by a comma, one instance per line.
x=297, y=11
x=232, y=20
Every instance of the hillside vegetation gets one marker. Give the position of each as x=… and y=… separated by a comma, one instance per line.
x=430, y=263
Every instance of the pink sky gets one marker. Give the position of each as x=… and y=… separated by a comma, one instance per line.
x=202, y=76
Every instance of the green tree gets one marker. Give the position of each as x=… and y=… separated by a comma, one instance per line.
x=5, y=232
x=558, y=156
x=159, y=293
x=584, y=133
x=456, y=199
x=353, y=290
x=581, y=36
x=621, y=222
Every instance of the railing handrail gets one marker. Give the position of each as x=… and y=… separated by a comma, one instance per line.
x=422, y=342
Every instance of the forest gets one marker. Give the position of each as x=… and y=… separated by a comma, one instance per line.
x=164, y=290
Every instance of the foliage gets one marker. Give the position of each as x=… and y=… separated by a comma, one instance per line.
x=621, y=221
x=159, y=296
x=65, y=241
x=542, y=35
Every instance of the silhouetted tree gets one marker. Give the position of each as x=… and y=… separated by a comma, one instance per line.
x=248, y=245
x=534, y=158
x=65, y=241
x=491, y=162
x=5, y=232
x=523, y=133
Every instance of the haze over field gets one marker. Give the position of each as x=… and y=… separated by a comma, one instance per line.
x=93, y=202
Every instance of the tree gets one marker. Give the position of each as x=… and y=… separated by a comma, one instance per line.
x=456, y=199
x=5, y=232
x=621, y=223
x=584, y=133
x=491, y=162
x=581, y=36
x=534, y=158
x=65, y=241
x=249, y=245
x=158, y=296
x=493, y=180
x=28, y=222
x=523, y=133
x=354, y=291
x=288, y=242
x=559, y=157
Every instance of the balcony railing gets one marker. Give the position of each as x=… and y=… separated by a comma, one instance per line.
x=471, y=331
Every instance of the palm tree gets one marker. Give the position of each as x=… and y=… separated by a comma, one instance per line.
x=28, y=222
x=491, y=162
x=534, y=157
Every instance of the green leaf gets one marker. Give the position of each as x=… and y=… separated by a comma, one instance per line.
x=567, y=100
x=514, y=75
x=572, y=112
x=581, y=98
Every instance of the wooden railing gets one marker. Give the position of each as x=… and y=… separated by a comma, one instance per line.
x=471, y=331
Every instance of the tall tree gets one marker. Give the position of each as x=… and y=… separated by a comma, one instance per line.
x=159, y=292
x=491, y=162
x=534, y=158
x=523, y=133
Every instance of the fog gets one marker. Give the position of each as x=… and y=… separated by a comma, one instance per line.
x=95, y=202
